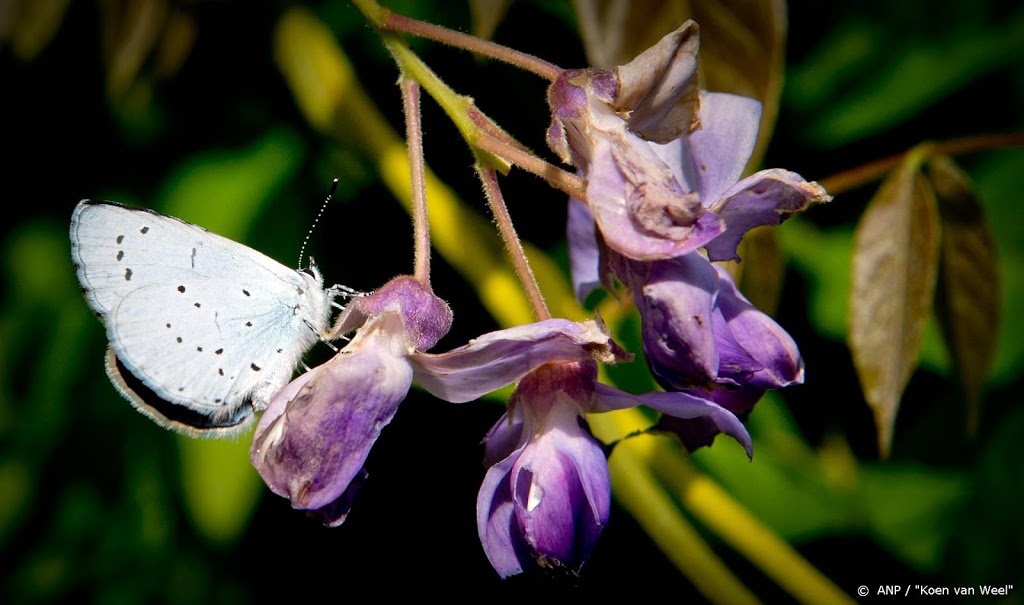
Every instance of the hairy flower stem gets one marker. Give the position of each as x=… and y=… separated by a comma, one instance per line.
x=876, y=169
x=414, y=137
x=566, y=182
x=489, y=178
x=400, y=23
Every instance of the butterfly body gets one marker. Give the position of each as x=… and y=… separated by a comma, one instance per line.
x=203, y=330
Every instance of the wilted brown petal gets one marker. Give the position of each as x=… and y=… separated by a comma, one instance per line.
x=659, y=88
x=968, y=297
x=895, y=264
x=742, y=43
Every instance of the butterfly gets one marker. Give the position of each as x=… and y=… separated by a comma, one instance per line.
x=203, y=330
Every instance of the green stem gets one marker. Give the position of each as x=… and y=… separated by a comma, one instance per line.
x=640, y=492
x=741, y=530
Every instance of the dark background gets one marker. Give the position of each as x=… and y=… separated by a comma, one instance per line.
x=96, y=502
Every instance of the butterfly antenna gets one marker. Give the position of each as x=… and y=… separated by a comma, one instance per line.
x=330, y=194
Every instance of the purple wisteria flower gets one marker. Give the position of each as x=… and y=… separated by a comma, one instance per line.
x=662, y=158
x=546, y=496
x=312, y=441
x=662, y=161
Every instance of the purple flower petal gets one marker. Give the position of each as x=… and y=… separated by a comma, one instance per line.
x=676, y=299
x=680, y=405
x=497, y=525
x=425, y=317
x=753, y=349
x=503, y=438
x=547, y=502
x=765, y=198
x=562, y=491
x=584, y=254
x=312, y=450
x=503, y=357
x=335, y=513
x=639, y=205
x=719, y=151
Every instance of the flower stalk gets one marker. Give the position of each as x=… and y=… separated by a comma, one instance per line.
x=420, y=221
x=489, y=179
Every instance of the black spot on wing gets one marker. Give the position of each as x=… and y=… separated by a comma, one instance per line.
x=178, y=339
x=120, y=254
x=218, y=351
x=181, y=289
x=255, y=368
x=248, y=324
x=198, y=305
x=127, y=275
x=246, y=292
x=144, y=230
x=120, y=238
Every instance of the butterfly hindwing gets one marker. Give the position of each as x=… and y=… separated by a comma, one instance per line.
x=203, y=330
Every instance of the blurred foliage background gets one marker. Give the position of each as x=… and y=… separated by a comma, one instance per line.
x=182, y=107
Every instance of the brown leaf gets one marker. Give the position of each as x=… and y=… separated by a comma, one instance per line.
x=895, y=266
x=742, y=47
x=131, y=30
x=30, y=26
x=968, y=296
x=487, y=15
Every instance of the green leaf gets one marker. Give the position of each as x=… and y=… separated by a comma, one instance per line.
x=786, y=487
x=968, y=297
x=867, y=78
x=824, y=259
x=912, y=511
x=895, y=266
x=225, y=190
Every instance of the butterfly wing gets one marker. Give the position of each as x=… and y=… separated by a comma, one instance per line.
x=202, y=329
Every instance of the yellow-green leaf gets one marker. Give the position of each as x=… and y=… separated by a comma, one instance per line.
x=895, y=265
x=968, y=297
x=221, y=488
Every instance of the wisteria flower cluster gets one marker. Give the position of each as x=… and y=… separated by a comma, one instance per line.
x=663, y=199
